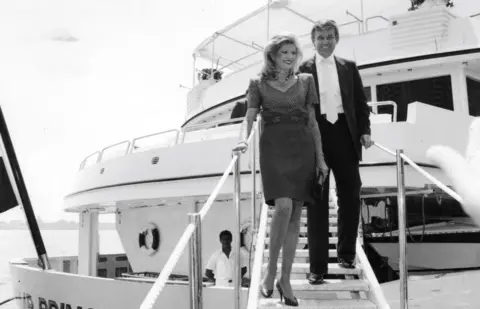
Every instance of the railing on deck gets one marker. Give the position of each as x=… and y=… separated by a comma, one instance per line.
x=90, y=156
x=104, y=150
x=168, y=138
x=198, y=132
x=402, y=213
x=375, y=104
x=228, y=128
x=193, y=234
x=159, y=134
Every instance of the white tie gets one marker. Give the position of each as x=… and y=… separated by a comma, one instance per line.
x=331, y=109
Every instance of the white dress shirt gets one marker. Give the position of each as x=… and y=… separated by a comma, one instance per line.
x=223, y=266
x=328, y=83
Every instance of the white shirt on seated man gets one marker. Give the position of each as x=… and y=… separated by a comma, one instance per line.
x=221, y=265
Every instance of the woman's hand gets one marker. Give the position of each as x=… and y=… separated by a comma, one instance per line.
x=322, y=170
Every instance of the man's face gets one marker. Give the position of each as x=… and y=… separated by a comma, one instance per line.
x=324, y=42
x=226, y=241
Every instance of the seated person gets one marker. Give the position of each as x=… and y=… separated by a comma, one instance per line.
x=221, y=266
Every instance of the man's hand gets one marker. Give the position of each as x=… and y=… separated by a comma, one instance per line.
x=366, y=141
x=464, y=172
x=241, y=146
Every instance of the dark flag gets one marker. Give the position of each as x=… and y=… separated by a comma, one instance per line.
x=7, y=196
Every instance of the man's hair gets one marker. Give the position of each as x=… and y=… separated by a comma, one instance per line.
x=325, y=25
x=225, y=233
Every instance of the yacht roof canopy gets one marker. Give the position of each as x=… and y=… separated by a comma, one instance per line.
x=241, y=43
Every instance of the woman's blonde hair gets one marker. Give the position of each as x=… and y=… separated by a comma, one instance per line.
x=269, y=70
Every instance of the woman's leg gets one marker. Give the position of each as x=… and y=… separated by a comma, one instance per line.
x=290, y=247
x=278, y=230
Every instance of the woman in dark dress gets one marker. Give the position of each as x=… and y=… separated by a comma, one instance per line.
x=291, y=157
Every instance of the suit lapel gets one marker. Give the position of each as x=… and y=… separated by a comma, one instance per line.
x=342, y=71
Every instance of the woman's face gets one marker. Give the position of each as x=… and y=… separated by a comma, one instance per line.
x=286, y=57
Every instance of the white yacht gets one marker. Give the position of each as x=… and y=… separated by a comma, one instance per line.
x=421, y=72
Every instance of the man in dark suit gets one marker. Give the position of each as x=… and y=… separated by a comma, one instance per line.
x=343, y=119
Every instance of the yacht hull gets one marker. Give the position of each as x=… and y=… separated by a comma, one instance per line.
x=437, y=291
x=38, y=289
x=58, y=290
x=432, y=256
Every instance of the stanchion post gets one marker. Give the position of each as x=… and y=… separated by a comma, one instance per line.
x=402, y=236
x=195, y=269
x=253, y=147
x=236, y=192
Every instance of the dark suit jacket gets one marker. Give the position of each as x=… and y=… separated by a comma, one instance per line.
x=239, y=110
x=355, y=107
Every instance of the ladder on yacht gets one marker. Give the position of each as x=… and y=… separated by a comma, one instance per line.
x=343, y=288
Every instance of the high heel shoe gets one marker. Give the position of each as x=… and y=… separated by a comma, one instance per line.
x=289, y=302
x=265, y=293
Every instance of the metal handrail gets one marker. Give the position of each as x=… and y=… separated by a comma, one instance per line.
x=382, y=103
x=177, y=139
x=378, y=297
x=423, y=172
x=374, y=17
x=82, y=164
x=402, y=213
x=157, y=288
x=208, y=125
x=211, y=124
x=153, y=134
x=253, y=296
x=102, y=152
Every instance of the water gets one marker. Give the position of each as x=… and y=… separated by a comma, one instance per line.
x=19, y=244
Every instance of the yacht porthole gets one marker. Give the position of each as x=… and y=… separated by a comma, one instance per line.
x=102, y=170
x=155, y=160
x=149, y=239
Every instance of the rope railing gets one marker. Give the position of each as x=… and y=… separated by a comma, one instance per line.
x=158, y=286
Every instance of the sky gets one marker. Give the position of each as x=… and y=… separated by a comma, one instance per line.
x=79, y=75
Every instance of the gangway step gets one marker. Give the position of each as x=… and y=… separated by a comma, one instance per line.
x=333, y=269
x=303, y=229
x=331, y=212
x=302, y=253
x=320, y=304
x=303, y=220
x=338, y=285
x=303, y=240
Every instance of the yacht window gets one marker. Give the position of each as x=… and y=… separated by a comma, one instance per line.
x=473, y=90
x=368, y=93
x=436, y=91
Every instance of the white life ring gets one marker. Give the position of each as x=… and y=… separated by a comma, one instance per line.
x=149, y=239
